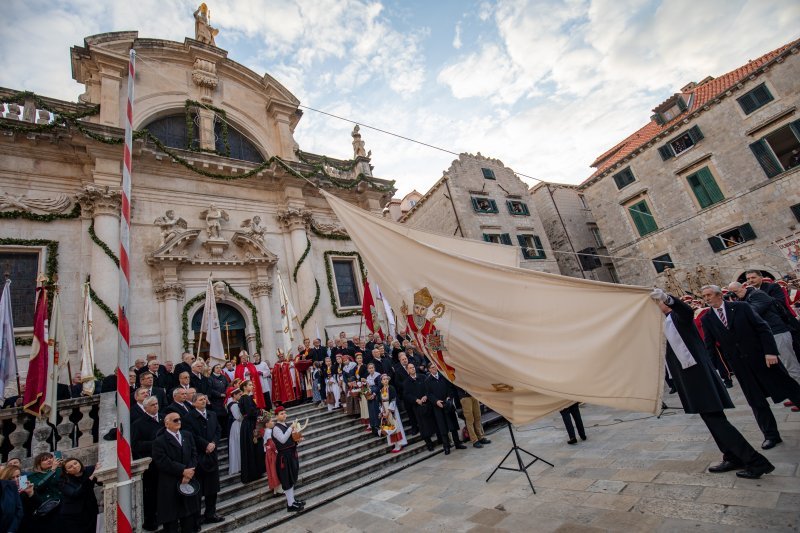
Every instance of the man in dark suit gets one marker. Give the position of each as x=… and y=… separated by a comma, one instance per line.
x=143, y=433
x=748, y=345
x=401, y=376
x=318, y=352
x=137, y=404
x=175, y=457
x=185, y=365
x=178, y=404
x=701, y=390
x=776, y=292
x=442, y=396
x=196, y=379
x=203, y=424
x=146, y=382
x=161, y=377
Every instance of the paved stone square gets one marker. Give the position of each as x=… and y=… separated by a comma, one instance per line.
x=634, y=473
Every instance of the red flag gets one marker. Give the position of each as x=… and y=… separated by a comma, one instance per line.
x=369, y=311
x=36, y=381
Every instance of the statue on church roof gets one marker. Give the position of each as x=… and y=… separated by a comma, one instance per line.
x=170, y=225
x=359, y=148
x=255, y=229
x=203, y=31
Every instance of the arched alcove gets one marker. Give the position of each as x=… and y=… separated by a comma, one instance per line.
x=233, y=326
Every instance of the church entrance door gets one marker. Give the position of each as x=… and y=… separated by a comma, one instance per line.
x=231, y=323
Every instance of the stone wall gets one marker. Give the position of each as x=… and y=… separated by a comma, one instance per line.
x=750, y=196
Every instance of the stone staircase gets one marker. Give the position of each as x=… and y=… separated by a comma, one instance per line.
x=336, y=457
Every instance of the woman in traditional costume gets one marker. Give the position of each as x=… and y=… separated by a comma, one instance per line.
x=391, y=425
x=253, y=465
x=235, y=416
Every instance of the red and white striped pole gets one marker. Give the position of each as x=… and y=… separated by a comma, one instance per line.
x=124, y=499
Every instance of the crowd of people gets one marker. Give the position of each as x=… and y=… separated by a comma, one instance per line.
x=747, y=331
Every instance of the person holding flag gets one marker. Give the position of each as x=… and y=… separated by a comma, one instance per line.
x=36, y=381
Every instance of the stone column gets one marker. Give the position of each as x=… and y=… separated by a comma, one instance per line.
x=102, y=205
x=261, y=292
x=170, y=294
x=295, y=221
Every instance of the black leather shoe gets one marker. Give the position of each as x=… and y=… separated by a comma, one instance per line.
x=477, y=444
x=301, y=503
x=755, y=472
x=672, y=390
x=770, y=443
x=583, y=437
x=294, y=508
x=728, y=384
x=572, y=441
x=447, y=451
x=216, y=519
x=484, y=440
x=724, y=466
x=460, y=446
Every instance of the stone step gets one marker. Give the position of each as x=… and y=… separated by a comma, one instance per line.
x=324, y=483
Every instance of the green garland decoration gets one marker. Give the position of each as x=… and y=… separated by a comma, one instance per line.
x=236, y=294
x=75, y=213
x=329, y=273
x=71, y=120
x=325, y=161
x=332, y=236
x=112, y=316
x=313, y=306
x=302, y=258
x=103, y=246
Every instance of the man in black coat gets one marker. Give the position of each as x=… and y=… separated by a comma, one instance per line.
x=416, y=397
x=185, y=365
x=146, y=382
x=769, y=310
x=442, y=396
x=197, y=380
x=175, y=457
x=749, y=347
x=318, y=352
x=178, y=404
x=143, y=433
x=701, y=390
x=203, y=424
x=775, y=291
x=400, y=377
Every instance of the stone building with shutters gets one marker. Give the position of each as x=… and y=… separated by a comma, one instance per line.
x=480, y=198
x=703, y=190
x=220, y=188
x=578, y=246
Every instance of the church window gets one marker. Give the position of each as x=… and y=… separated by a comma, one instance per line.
x=662, y=262
x=239, y=146
x=642, y=218
x=754, y=99
x=22, y=267
x=779, y=151
x=484, y=205
x=531, y=246
x=171, y=131
x=732, y=237
x=705, y=188
x=344, y=276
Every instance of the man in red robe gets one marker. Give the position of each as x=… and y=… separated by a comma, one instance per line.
x=282, y=390
x=245, y=371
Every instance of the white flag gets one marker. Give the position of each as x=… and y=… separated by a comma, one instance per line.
x=288, y=317
x=391, y=331
x=8, y=351
x=57, y=355
x=210, y=325
x=87, y=345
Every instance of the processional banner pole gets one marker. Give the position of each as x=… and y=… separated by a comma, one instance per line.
x=124, y=492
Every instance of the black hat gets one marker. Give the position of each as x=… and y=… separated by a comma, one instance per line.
x=192, y=488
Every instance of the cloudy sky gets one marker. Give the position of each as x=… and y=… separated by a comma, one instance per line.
x=544, y=86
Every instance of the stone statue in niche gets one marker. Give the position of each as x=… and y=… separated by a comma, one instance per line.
x=213, y=217
x=359, y=148
x=171, y=226
x=203, y=31
x=254, y=228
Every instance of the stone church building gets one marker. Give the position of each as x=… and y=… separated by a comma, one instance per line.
x=220, y=188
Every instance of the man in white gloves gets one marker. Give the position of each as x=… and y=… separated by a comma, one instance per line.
x=701, y=390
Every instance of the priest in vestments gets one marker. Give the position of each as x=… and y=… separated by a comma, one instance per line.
x=282, y=390
x=246, y=371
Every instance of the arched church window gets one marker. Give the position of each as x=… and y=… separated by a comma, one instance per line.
x=171, y=130
x=240, y=146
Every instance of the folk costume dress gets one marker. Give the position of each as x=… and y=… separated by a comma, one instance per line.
x=332, y=390
x=390, y=416
x=271, y=458
x=234, y=450
x=253, y=465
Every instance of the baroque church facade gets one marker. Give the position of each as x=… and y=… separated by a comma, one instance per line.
x=220, y=188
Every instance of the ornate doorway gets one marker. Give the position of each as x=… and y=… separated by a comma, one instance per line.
x=231, y=323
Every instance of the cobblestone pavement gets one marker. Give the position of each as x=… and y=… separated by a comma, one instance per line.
x=634, y=473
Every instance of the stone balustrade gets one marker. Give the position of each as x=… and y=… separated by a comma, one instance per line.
x=23, y=436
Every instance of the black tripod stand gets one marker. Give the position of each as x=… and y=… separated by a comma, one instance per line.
x=521, y=466
x=664, y=407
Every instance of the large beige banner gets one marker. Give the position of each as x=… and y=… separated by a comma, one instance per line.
x=525, y=343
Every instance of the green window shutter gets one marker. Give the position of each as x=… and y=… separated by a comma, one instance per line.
x=539, y=248
x=657, y=119
x=681, y=104
x=505, y=238
x=710, y=185
x=665, y=152
x=509, y=206
x=747, y=103
x=521, y=240
x=796, y=211
x=637, y=220
x=716, y=243
x=475, y=204
x=766, y=159
x=642, y=218
x=699, y=191
x=795, y=126
x=487, y=238
x=695, y=134
x=761, y=95
x=747, y=232
x=525, y=209
x=494, y=206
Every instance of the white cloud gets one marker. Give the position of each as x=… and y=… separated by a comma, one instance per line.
x=457, y=37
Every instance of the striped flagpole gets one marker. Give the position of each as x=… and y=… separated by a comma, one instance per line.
x=124, y=499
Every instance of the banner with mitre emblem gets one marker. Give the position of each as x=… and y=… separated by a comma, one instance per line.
x=790, y=248
x=525, y=343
